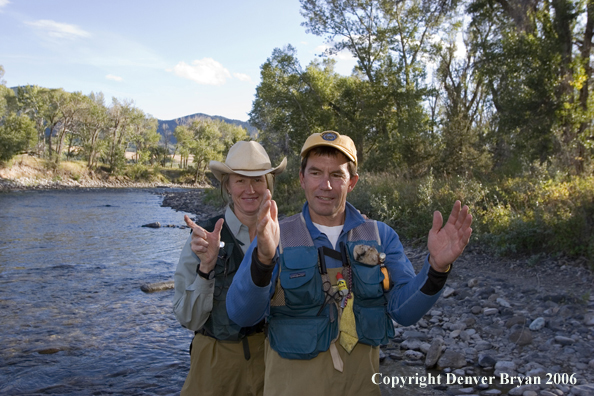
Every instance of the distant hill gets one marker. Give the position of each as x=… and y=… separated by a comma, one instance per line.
x=171, y=124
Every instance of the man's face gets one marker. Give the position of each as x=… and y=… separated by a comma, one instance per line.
x=326, y=181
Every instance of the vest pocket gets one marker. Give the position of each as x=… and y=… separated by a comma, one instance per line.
x=303, y=287
x=302, y=337
x=300, y=279
x=374, y=326
x=367, y=281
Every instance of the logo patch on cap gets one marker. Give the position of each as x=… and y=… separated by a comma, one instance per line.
x=329, y=136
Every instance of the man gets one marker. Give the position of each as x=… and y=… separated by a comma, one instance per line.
x=324, y=338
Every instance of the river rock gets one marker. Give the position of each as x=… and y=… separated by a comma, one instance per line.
x=155, y=287
x=490, y=311
x=153, y=225
x=489, y=392
x=49, y=351
x=483, y=345
x=451, y=359
x=412, y=334
x=583, y=390
x=564, y=340
x=506, y=367
x=413, y=355
x=537, y=324
x=473, y=283
x=503, y=302
x=520, y=390
x=521, y=320
x=411, y=344
x=485, y=360
x=448, y=292
x=521, y=337
x=434, y=352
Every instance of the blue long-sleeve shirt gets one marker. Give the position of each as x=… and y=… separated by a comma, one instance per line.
x=248, y=304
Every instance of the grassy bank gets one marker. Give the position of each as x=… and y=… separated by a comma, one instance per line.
x=31, y=170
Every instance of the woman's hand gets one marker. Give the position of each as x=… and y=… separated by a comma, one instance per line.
x=205, y=244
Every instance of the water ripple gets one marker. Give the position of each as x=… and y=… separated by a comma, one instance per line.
x=73, y=320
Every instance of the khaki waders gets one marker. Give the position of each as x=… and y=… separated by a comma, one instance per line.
x=317, y=376
x=219, y=368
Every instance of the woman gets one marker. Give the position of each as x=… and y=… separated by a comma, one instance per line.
x=225, y=359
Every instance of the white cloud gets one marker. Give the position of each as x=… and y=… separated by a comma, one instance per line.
x=205, y=71
x=242, y=77
x=114, y=78
x=58, y=30
x=3, y=3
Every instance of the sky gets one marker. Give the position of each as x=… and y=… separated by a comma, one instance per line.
x=171, y=58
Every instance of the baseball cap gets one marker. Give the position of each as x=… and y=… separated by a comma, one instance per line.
x=332, y=139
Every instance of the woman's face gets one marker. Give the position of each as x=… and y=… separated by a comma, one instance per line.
x=246, y=193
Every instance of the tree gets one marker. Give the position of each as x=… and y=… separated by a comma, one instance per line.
x=392, y=42
x=205, y=146
x=145, y=137
x=183, y=137
x=120, y=116
x=536, y=64
x=463, y=114
x=93, y=127
x=72, y=112
x=54, y=116
x=17, y=133
x=32, y=101
x=231, y=134
x=5, y=93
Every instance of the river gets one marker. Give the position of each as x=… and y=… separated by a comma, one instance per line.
x=73, y=320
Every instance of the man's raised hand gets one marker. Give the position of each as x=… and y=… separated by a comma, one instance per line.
x=205, y=244
x=447, y=243
x=268, y=229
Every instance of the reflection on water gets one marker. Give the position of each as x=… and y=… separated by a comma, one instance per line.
x=73, y=319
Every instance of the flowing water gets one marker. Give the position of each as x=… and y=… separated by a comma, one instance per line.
x=73, y=320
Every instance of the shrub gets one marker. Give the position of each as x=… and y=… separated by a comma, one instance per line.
x=17, y=133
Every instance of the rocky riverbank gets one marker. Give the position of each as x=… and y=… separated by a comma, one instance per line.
x=28, y=178
x=526, y=320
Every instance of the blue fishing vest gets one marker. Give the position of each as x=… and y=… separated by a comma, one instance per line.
x=298, y=326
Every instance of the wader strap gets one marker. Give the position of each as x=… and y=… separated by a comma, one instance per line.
x=336, y=360
x=246, y=348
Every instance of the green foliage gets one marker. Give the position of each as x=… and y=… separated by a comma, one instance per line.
x=17, y=133
x=539, y=77
x=206, y=140
x=288, y=193
x=138, y=172
x=533, y=215
x=523, y=215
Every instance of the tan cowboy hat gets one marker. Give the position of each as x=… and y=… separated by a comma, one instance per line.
x=247, y=159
